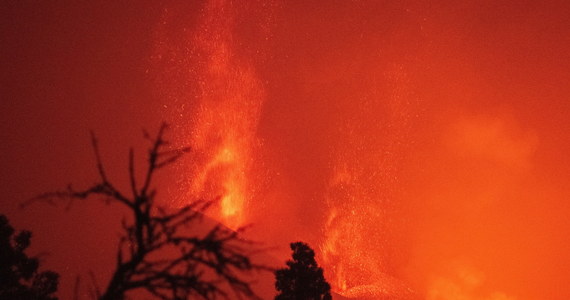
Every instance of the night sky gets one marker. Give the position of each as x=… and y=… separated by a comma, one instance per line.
x=420, y=147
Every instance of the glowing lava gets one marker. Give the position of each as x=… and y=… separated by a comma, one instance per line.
x=224, y=122
x=384, y=130
x=361, y=191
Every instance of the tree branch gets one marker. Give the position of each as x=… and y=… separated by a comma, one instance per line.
x=159, y=250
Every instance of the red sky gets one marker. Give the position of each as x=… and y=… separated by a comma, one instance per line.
x=416, y=145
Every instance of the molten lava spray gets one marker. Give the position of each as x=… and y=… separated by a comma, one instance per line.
x=229, y=102
x=420, y=147
x=361, y=189
x=221, y=123
x=410, y=144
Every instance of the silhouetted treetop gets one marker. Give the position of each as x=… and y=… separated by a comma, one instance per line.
x=303, y=279
x=19, y=275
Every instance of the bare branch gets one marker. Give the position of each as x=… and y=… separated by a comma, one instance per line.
x=99, y=162
x=94, y=284
x=160, y=250
x=132, y=173
x=152, y=157
x=76, y=287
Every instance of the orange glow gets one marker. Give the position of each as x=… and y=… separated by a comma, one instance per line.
x=420, y=147
x=406, y=142
x=228, y=99
x=462, y=282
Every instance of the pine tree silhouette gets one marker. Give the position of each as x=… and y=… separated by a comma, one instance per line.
x=303, y=279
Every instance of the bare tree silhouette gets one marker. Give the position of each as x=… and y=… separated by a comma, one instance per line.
x=160, y=251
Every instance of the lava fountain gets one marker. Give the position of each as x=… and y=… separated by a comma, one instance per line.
x=361, y=191
x=367, y=129
x=224, y=99
x=229, y=102
x=220, y=113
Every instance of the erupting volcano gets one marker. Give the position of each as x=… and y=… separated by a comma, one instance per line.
x=223, y=127
x=420, y=148
x=364, y=129
x=226, y=101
